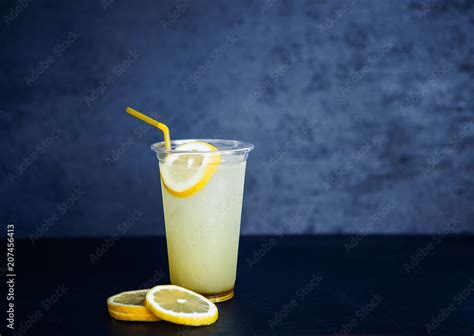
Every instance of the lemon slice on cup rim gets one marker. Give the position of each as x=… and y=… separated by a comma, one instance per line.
x=181, y=306
x=191, y=164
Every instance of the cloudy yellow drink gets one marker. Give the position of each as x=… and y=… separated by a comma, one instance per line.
x=202, y=186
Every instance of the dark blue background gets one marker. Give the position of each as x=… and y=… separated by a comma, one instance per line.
x=361, y=112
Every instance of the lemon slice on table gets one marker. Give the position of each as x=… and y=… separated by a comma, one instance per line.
x=180, y=305
x=148, y=317
x=129, y=306
x=184, y=174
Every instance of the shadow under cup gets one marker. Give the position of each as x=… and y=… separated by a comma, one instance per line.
x=202, y=203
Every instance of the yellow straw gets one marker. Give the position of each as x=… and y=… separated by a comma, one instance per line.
x=157, y=124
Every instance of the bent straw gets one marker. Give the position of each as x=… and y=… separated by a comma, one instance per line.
x=153, y=122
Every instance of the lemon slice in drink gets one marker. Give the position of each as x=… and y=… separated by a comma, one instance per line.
x=184, y=174
x=130, y=306
x=181, y=306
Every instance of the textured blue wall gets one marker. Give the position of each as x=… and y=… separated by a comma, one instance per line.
x=361, y=112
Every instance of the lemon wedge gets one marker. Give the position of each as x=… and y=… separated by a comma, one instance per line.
x=181, y=306
x=129, y=306
x=184, y=174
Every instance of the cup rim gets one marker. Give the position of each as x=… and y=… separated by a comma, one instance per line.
x=234, y=147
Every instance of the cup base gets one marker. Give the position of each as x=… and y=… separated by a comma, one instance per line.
x=220, y=297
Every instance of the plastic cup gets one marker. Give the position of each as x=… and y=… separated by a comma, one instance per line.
x=202, y=229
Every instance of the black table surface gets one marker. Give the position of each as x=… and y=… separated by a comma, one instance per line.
x=295, y=285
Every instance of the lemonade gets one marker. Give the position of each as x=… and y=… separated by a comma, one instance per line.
x=202, y=187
